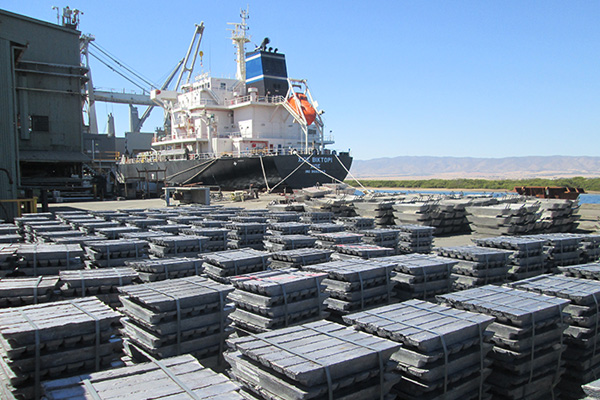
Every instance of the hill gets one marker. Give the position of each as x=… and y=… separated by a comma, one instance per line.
x=424, y=167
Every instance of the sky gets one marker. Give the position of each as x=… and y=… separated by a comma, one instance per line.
x=395, y=78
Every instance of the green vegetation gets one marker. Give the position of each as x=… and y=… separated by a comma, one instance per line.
x=588, y=184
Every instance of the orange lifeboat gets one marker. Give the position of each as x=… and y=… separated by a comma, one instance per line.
x=301, y=105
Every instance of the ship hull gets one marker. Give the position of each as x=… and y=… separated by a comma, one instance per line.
x=236, y=173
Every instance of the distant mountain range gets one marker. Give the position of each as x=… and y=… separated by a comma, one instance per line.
x=409, y=168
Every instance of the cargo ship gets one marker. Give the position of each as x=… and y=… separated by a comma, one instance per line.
x=262, y=129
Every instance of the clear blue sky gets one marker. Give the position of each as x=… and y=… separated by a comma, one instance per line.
x=438, y=78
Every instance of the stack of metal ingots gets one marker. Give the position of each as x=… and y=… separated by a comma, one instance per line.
x=316, y=360
x=217, y=237
x=382, y=212
x=355, y=224
x=557, y=215
x=102, y=283
x=275, y=243
x=181, y=376
x=9, y=233
x=143, y=235
x=590, y=248
x=299, y=257
x=276, y=299
x=53, y=340
x=325, y=227
x=116, y=232
x=527, y=258
x=178, y=246
x=365, y=251
x=329, y=240
x=222, y=265
x=355, y=285
x=177, y=316
x=477, y=266
x=381, y=237
x=35, y=231
x=415, y=238
x=528, y=348
x=444, y=350
x=114, y=253
x=503, y=219
x=420, y=276
x=288, y=228
x=167, y=268
x=316, y=217
x=560, y=249
x=582, y=356
x=47, y=259
x=16, y=292
x=246, y=234
x=282, y=216
x=172, y=228
x=586, y=271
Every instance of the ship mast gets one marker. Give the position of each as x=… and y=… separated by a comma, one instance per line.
x=239, y=39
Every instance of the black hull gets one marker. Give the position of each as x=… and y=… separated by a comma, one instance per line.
x=237, y=173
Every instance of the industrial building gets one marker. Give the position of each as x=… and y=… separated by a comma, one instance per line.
x=40, y=108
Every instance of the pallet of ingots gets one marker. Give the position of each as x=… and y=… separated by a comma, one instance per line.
x=8, y=259
x=317, y=360
x=145, y=223
x=327, y=227
x=117, y=231
x=222, y=265
x=560, y=249
x=286, y=207
x=249, y=218
x=114, y=253
x=381, y=237
x=590, y=248
x=477, y=266
x=503, y=219
x=206, y=223
x=108, y=214
x=413, y=212
x=582, y=355
x=178, y=316
x=47, y=259
x=444, y=353
x=415, y=238
x=277, y=216
x=102, y=283
x=451, y=216
x=55, y=340
x=528, y=349
x=246, y=234
x=8, y=229
x=288, y=228
x=275, y=243
x=181, y=376
x=90, y=227
x=17, y=292
x=557, y=215
x=365, y=251
x=337, y=207
x=270, y=300
x=80, y=240
x=357, y=284
x=167, y=268
x=33, y=231
x=48, y=237
x=586, y=271
x=315, y=217
x=329, y=240
x=174, y=229
x=31, y=218
x=199, y=211
x=177, y=246
x=421, y=276
x=355, y=224
x=527, y=258
x=143, y=235
x=299, y=257
x=382, y=212
x=26, y=226
x=217, y=237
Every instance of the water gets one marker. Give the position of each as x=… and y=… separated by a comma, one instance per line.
x=583, y=198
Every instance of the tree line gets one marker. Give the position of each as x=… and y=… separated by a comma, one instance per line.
x=588, y=184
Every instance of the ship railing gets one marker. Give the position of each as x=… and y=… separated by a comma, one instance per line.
x=259, y=99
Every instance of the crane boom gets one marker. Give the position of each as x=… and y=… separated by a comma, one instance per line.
x=195, y=46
